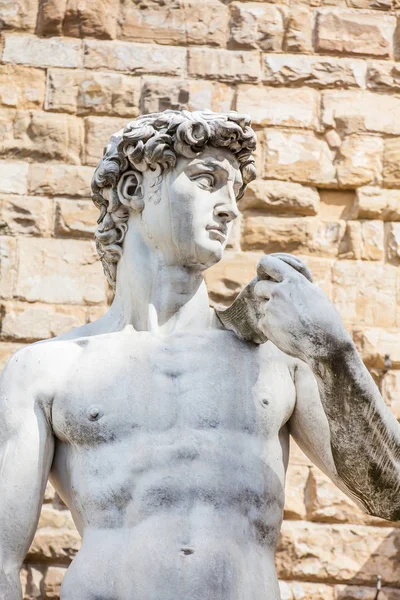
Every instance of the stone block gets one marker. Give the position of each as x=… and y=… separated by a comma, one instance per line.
x=341, y=31
x=97, y=132
x=371, y=4
x=391, y=391
x=365, y=293
x=300, y=590
x=52, y=582
x=391, y=164
x=393, y=242
x=176, y=22
x=337, y=204
x=25, y=215
x=53, y=179
x=74, y=18
x=224, y=65
x=357, y=112
x=85, y=92
x=23, y=322
x=8, y=266
x=378, y=203
x=21, y=87
x=298, y=156
x=31, y=577
x=51, y=516
x=321, y=269
x=256, y=25
x=59, y=271
x=19, y=15
x=134, y=58
x=42, y=52
x=279, y=106
x=295, y=492
x=338, y=553
x=320, y=72
x=6, y=351
x=228, y=277
x=13, y=177
x=383, y=76
x=375, y=344
x=76, y=218
x=280, y=197
x=299, y=30
x=41, y=136
x=363, y=240
x=360, y=161
x=354, y=592
x=52, y=545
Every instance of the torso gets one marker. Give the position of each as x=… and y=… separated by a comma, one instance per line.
x=171, y=454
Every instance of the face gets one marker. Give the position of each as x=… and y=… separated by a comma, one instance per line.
x=191, y=219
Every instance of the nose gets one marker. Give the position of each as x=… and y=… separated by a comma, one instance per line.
x=226, y=210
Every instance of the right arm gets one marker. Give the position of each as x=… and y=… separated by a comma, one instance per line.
x=26, y=454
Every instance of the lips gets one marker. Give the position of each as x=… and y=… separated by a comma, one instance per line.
x=218, y=231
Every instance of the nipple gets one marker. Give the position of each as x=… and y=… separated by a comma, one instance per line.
x=94, y=413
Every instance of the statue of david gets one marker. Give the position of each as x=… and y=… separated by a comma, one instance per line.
x=164, y=426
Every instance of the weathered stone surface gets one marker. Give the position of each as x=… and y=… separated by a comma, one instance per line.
x=321, y=269
x=364, y=293
x=360, y=161
x=301, y=157
x=355, y=32
x=353, y=592
x=371, y=4
x=393, y=242
x=19, y=15
x=299, y=30
x=363, y=240
x=21, y=87
x=31, y=577
x=176, y=22
x=357, y=112
x=281, y=197
x=76, y=218
x=391, y=165
x=40, y=136
x=317, y=551
x=54, y=545
x=40, y=52
x=23, y=322
x=383, y=76
x=52, y=582
x=280, y=106
x=74, y=18
x=134, y=58
x=25, y=215
x=375, y=344
x=13, y=177
x=226, y=278
x=65, y=272
x=295, y=495
x=224, y=65
x=8, y=266
x=289, y=69
x=56, y=518
x=86, y=92
x=391, y=391
x=256, y=25
x=53, y=179
x=97, y=130
x=335, y=204
x=299, y=590
x=6, y=351
x=378, y=203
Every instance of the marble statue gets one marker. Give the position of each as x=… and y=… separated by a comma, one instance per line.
x=164, y=426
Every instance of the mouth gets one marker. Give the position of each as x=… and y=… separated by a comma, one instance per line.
x=218, y=232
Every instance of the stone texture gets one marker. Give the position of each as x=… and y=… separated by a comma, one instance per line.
x=301, y=157
x=280, y=106
x=296, y=483
x=25, y=215
x=376, y=344
x=23, y=322
x=19, y=15
x=8, y=266
x=21, y=87
x=383, y=76
x=64, y=271
x=224, y=65
x=40, y=135
x=299, y=590
x=360, y=161
x=85, y=92
x=299, y=30
x=53, y=179
x=13, y=177
x=256, y=25
x=363, y=240
x=76, y=218
x=355, y=32
x=97, y=132
x=335, y=204
x=391, y=391
x=281, y=197
x=77, y=18
x=54, y=545
x=226, y=278
x=353, y=592
x=134, y=58
x=316, y=552
x=393, y=242
x=176, y=22
x=41, y=52
x=378, y=203
x=391, y=167
x=6, y=351
x=289, y=69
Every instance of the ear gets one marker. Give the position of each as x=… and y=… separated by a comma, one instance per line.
x=130, y=190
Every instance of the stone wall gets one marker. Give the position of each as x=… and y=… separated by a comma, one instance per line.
x=321, y=81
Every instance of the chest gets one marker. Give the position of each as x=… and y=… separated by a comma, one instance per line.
x=124, y=385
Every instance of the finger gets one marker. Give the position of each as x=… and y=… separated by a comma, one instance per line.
x=264, y=289
x=294, y=262
x=273, y=268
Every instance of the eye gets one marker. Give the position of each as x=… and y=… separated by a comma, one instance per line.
x=205, y=181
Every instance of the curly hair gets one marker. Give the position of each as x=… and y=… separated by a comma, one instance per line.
x=155, y=141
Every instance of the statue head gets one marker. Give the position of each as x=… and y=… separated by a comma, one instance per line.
x=176, y=177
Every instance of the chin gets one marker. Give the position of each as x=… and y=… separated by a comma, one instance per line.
x=211, y=253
